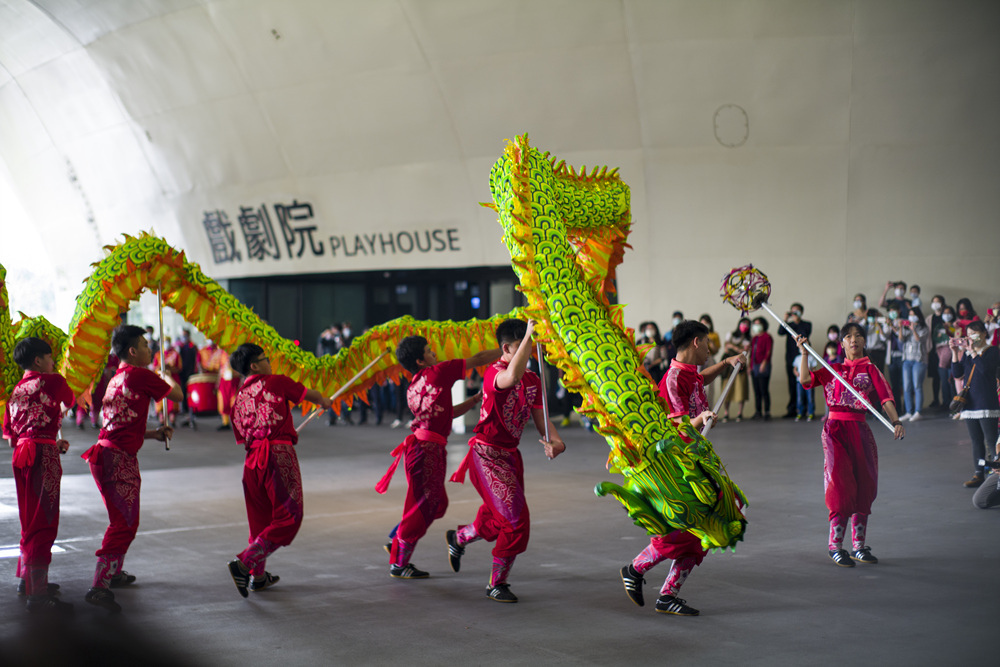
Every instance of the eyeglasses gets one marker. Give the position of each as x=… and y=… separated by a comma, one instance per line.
x=261, y=360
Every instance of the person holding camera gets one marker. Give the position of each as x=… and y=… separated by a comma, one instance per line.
x=979, y=367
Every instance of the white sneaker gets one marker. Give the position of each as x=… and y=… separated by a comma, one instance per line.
x=906, y=417
x=916, y=416
x=396, y=423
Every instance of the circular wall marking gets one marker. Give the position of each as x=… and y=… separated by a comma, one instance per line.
x=732, y=125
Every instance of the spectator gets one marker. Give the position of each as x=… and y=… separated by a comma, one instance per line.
x=913, y=334
x=877, y=342
x=860, y=311
x=966, y=315
x=897, y=299
x=895, y=366
x=655, y=362
x=979, y=367
x=801, y=327
x=833, y=336
x=761, y=347
x=938, y=356
x=676, y=319
x=915, y=295
x=992, y=322
x=714, y=345
x=736, y=342
x=805, y=398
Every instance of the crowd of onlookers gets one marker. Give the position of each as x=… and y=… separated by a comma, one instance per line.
x=909, y=339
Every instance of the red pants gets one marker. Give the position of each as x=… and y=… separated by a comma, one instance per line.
x=272, y=488
x=850, y=466
x=117, y=476
x=498, y=475
x=37, y=484
x=426, y=498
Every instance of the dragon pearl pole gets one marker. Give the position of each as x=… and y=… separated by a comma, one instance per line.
x=163, y=366
x=818, y=357
x=725, y=392
x=545, y=394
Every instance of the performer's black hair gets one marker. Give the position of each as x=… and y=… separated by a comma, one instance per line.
x=124, y=337
x=687, y=331
x=853, y=325
x=410, y=351
x=511, y=331
x=29, y=349
x=244, y=355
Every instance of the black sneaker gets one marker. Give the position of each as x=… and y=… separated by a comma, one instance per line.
x=260, y=583
x=408, y=571
x=500, y=593
x=22, y=589
x=103, y=598
x=864, y=555
x=668, y=604
x=633, y=584
x=455, y=551
x=122, y=578
x=241, y=575
x=48, y=605
x=841, y=557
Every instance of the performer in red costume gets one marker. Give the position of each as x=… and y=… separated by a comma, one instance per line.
x=272, y=482
x=850, y=457
x=113, y=461
x=429, y=399
x=511, y=396
x=683, y=389
x=31, y=424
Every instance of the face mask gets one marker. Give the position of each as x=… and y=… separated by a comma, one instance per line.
x=871, y=320
x=936, y=306
x=833, y=336
x=915, y=299
x=947, y=317
x=973, y=336
x=677, y=321
x=744, y=327
x=899, y=293
x=893, y=315
x=963, y=313
x=756, y=329
x=914, y=319
x=831, y=352
x=857, y=304
x=650, y=334
x=347, y=333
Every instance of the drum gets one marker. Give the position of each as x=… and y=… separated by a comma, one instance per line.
x=201, y=393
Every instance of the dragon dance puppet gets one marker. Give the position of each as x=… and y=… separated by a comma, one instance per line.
x=566, y=233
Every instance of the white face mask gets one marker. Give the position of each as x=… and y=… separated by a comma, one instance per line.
x=899, y=293
x=756, y=329
x=915, y=299
x=677, y=321
x=832, y=336
x=650, y=334
x=973, y=336
x=936, y=306
x=947, y=317
x=857, y=304
x=914, y=319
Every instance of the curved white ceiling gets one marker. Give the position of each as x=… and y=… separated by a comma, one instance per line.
x=386, y=115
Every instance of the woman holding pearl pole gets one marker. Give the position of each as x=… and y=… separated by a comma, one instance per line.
x=850, y=456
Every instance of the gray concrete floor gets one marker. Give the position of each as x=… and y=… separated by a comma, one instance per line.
x=778, y=600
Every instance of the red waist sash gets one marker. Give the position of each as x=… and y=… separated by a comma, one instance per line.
x=397, y=454
x=463, y=467
x=259, y=450
x=24, y=451
x=94, y=452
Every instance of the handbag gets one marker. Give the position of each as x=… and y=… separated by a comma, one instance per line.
x=962, y=398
